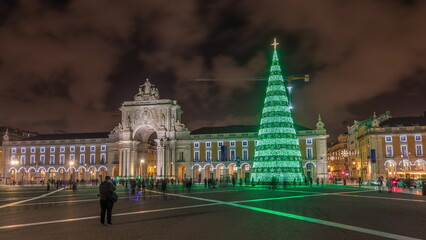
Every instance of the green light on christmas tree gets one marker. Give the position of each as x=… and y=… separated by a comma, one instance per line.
x=277, y=153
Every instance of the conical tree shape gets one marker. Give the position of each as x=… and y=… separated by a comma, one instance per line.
x=277, y=153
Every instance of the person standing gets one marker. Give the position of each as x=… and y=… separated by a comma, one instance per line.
x=106, y=191
x=380, y=181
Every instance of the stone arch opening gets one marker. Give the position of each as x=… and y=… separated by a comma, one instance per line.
x=182, y=173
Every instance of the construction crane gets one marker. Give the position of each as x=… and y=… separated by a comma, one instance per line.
x=291, y=78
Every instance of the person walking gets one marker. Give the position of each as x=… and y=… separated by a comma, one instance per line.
x=107, y=193
x=380, y=180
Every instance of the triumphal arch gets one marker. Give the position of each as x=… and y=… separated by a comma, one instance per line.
x=149, y=135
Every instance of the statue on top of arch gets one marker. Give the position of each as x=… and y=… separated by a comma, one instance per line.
x=147, y=91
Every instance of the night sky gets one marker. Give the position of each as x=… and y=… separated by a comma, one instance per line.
x=66, y=66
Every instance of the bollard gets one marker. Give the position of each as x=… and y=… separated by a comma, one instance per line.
x=424, y=188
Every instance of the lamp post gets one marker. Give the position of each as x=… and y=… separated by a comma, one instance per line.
x=141, y=167
x=72, y=173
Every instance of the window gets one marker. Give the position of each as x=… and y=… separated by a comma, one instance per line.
x=220, y=144
x=62, y=149
x=13, y=150
x=417, y=138
x=52, y=159
x=92, y=148
x=103, y=148
x=232, y=143
x=388, y=139
x=32, y=160
x=72, y=149
x=245, y=154
x=23, y=150
x=42, y=159
x=419, y=150
x=232, y=154
x=33, y=150
x=208, y=155
x=404, y=150
x=52, y=149
x=309, y=153
x=389, y=151
x=196, y=156
x=42, y=150
x=62, y=159
x=196, y=145
x=309, y=141
x=22, y=160
x=245, y=143
x=403, y=138
x=208, y=144
x=82, y=159
x=103, y=158
x=82, y=148
x=219, y=156
x=72, y=157
x=92, y=158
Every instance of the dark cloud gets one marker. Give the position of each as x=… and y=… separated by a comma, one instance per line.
x=64, y=64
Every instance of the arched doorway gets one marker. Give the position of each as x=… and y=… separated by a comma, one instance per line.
x=146, y=165
x=310, y=171
x=182, y=173
x=102, y=171
x=115, y=172
x=232, y=170
x=220, y=171
x=52, y=174
x=245, y=171
x=390, y=168
x=196, y=173
x=208, y=171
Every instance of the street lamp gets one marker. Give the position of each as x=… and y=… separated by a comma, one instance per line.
x=141, y=167
x=72, y=173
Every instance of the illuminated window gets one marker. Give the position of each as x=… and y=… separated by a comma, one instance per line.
x=388, y=139
x=208, y=155
x=389, y=151
x=22, y=160
x=245, y=154
x=309, y=141
x=309, y=153
x=403, y=138
x=42, y=159
x=233, y=155
x=92, y=158
x=62, y=159
x=82, y=159
x=196, y=155
x=196, y=145
x=404, y=150
x=419, y=150
x=103, y=158
x=32, y=160
x=52, y=159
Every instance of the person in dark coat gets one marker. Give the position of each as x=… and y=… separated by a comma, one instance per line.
x=106, y=189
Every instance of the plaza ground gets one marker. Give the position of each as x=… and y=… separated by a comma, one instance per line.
x=328, y=212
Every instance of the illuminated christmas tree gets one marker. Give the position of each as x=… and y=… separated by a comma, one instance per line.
x=277, y=153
